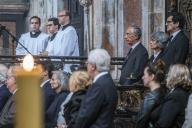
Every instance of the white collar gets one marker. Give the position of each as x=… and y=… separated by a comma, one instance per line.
x=156, y=53
x=135, y=45
x=14, y=91
x=99, y=75
x=42, y=84
x=174, y=34
x=1, y=85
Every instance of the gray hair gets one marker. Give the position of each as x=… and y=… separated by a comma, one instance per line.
x=136, y=30
x=63, y=79
x=179, y=76
x=3, y=72
x=161, y=38
x=101, y=59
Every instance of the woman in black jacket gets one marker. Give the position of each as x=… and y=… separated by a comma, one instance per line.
x=154, y=74
x=171, y=113
x=78, y=84
x=59, y=83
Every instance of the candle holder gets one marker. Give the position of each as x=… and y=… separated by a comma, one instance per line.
x=29, y=107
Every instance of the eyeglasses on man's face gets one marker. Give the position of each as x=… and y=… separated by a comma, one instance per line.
x=168, y=21
x=48, y=25
x=62, y=15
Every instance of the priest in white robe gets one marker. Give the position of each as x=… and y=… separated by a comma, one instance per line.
x=34, y=41
x=66, y=43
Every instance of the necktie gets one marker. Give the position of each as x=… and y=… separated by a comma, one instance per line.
x=169, y=40
x=130, y=50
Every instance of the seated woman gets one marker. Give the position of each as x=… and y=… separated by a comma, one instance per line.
x=78, y=84
x=171, y=113
x=59, y=83
x=157, y=44
x=153, y=77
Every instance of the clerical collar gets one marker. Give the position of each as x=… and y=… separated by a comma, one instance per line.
x=35, y=34
x=65, y=26
x=51, y=38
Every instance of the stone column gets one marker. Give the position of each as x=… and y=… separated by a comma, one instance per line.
x=153, y=19
x=87, y=38
x=44, y=9
x=107, y=27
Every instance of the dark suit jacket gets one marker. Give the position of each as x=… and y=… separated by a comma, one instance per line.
x=157, y=58
x=171, y=112
x=71, y=109
x=4, y=96
x=54, y=108
x=177, y=50
x=48, y=95
x=8, y=113
x=97, y=109
x=134, y=65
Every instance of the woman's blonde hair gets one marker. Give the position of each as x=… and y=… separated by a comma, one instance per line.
x=179, y=76
x=80, y=79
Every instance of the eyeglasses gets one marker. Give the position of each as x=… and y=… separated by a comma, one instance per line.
x=48, y=25
x=9, y=77
x=168, y=22
x=62, y=15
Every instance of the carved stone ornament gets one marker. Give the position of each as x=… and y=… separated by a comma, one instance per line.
x=186, y=9
x=85, y=3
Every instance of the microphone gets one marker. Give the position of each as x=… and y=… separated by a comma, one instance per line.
x=1, y=29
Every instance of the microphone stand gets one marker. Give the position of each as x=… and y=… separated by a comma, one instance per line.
x=3, y=28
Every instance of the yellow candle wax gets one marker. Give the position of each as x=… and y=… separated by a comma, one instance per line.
x=29, y=99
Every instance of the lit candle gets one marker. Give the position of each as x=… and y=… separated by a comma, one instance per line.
x=28, y=98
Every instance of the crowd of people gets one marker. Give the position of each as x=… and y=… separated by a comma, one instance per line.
x=88, y=98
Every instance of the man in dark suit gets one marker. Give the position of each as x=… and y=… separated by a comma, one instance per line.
x=7, y=115
x=136, y=59
x=48, y=92
x=178, y=46
x=4, y=92
x=97, y=109
x=4, y=95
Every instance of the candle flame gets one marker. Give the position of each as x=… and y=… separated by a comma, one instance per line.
x=28, y=62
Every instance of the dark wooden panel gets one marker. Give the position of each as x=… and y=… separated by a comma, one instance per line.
x=15, y=25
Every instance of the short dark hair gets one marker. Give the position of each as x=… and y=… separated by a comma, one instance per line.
x=158, y=69
x=177, y=17
x=36, y=17
x=55, y=21
x=47, y=66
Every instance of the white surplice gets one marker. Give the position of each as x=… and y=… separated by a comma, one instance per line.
x=65, y=43
x=34, y=45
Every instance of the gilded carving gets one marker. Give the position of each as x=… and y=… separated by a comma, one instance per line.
x=186, y=9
